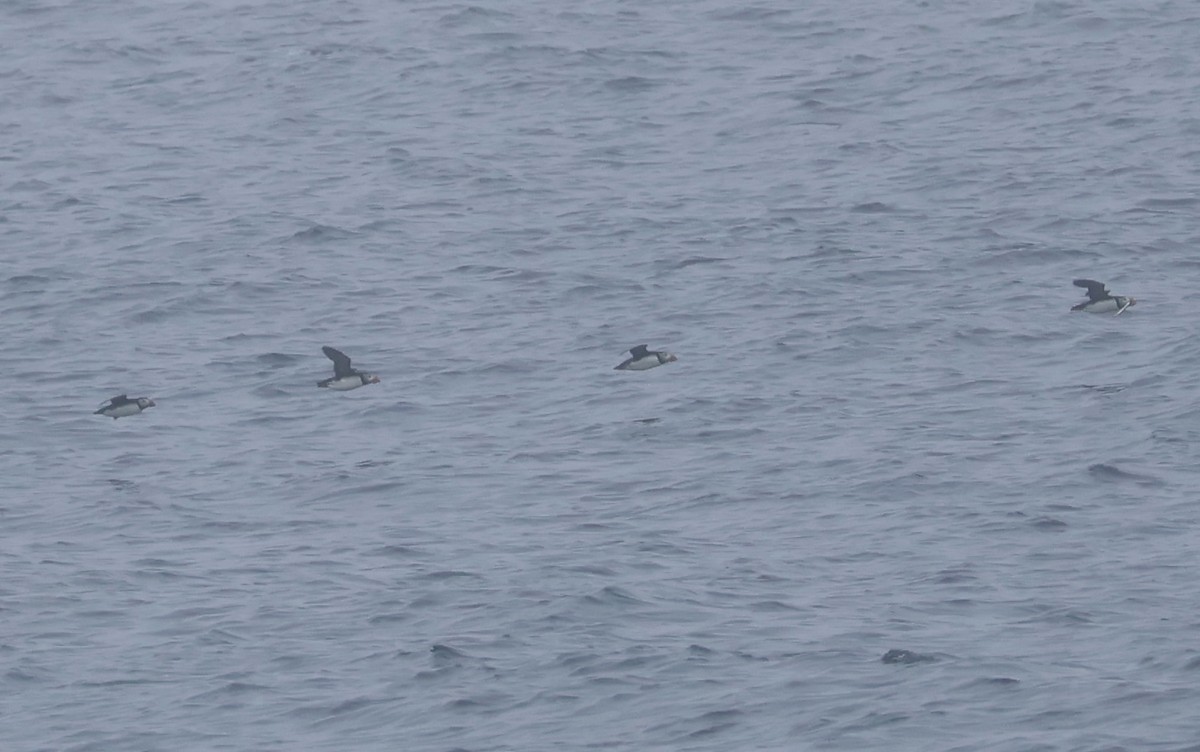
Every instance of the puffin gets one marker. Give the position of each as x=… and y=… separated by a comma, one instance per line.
x=642, y=359
x=1100, y=300
x=344, y=377
x=121, y=406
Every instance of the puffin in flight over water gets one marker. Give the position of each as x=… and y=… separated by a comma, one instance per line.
x=121, y=406
x=1100, y=300
x=344, y=377
x=642, y=359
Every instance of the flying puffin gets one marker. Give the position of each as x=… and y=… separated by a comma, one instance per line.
x=344, y=378
x=1099, y=300
x=642, y=359
x=121, y=406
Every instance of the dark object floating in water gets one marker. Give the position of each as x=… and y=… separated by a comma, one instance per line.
x=1099, y=300
x=1114, y=473
x=1105, y=388
x=898, y=655
x=1051, y=524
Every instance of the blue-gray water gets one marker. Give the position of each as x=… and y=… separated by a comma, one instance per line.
x=856, y=223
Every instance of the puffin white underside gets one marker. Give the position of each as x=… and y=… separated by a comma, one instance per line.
x=345, y=384
x=123, y=411
x=1103, y=306
x=644, y=364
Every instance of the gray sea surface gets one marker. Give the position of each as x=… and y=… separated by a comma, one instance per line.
x=892, y=496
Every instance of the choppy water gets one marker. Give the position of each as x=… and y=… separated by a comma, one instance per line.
x=856, y=225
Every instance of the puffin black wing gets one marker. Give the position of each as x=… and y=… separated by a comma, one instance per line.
x=120, y=399
x=1095, y=290
x=639, y=352
x=341, y=363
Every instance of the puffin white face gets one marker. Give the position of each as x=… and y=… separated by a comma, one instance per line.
x=670, y=358
x=145, y=402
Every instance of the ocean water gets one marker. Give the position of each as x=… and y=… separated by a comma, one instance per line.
x=892, y=496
